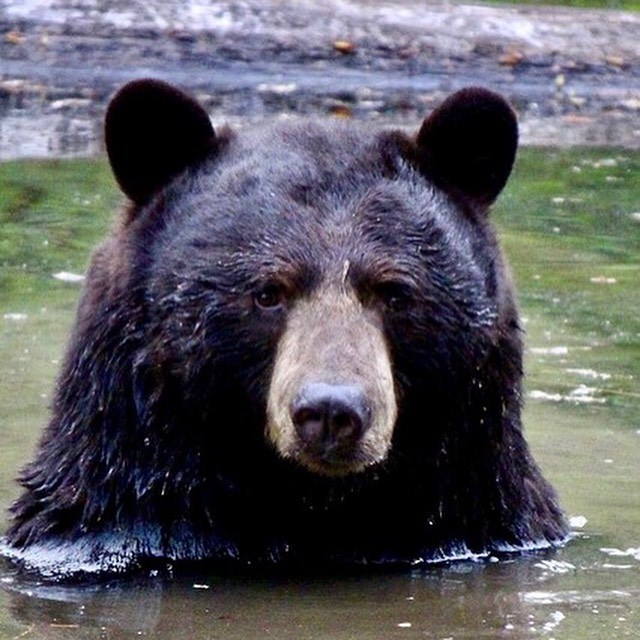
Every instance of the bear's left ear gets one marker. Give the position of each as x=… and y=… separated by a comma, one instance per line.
x=468, y=144
x=153, y=132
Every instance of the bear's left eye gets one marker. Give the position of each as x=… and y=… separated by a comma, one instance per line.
x=270, y=296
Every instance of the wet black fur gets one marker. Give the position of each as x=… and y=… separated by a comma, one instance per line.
x=157, y=434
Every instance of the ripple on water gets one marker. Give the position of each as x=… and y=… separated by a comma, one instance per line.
x=574, y=596
x=622, y=553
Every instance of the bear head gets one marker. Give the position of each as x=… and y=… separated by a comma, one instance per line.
x=311, y=265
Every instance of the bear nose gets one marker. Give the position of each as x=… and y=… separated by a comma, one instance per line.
x=330, y=415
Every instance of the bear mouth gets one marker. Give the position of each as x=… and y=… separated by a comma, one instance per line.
x=331, y=461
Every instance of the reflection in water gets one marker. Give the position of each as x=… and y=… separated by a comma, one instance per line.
x=124, y=607
x=537, y=596
x=481, y=598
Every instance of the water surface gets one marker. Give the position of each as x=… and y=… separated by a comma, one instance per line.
x=570, y=223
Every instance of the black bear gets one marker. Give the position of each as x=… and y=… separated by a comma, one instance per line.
x=299, y=346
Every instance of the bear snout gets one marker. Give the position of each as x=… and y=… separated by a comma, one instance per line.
x=330, y=419
x=331, y=404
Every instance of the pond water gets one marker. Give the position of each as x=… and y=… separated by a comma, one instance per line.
x=570, y=224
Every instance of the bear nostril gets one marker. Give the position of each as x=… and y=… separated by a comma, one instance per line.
x=346, y=426
x=309, y=423
x=330, y=415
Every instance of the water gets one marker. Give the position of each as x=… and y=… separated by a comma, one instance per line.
x=569, y=223
x=506, y=600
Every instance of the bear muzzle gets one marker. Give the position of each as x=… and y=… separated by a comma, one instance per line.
x=331, y=404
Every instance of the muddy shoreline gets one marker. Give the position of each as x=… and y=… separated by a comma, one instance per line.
x=574, y=76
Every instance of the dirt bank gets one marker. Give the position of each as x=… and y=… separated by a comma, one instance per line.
x=574, y=76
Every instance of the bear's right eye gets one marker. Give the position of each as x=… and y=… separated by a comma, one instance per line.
x=271, y=296
x=395, y=296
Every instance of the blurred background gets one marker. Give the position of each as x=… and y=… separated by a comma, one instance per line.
x=574, y=76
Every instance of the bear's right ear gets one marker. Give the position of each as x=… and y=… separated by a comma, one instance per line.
x=153, y=132
x=467, y=146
